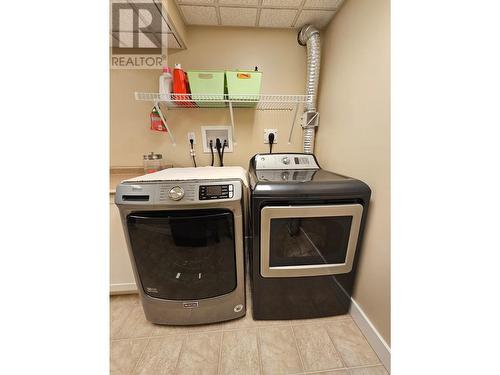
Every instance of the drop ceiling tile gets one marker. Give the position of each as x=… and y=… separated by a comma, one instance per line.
x=318, y=18
x=238, y=16
x=277, y=17
x=238, y=2
x=330, y=4
x=198, y=15
x=282, y=3
x=195, y=1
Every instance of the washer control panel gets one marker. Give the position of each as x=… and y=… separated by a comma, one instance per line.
x=224, y=191
x=285, y=161
x=178, y=192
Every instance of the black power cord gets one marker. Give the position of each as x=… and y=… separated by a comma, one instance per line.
x=218, y=147
x=224, y=145
x=212, y=152
x=192, y=152
x=270, y=138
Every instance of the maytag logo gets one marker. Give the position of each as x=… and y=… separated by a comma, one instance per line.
x=138, y=34
x=189, y=305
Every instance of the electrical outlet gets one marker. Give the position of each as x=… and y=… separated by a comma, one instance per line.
x=266, y=135
x=192, y=136
x=211, y=133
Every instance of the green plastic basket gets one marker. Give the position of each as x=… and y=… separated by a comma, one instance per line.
x=207, y=85
x=243, y=85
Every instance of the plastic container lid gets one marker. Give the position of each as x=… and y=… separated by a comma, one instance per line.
x=178, y=66
x=153, y=156
x=166, y=69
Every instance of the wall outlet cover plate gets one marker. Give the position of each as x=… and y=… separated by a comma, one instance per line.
x=212, y=132
x=192, y=136
x=266, y=135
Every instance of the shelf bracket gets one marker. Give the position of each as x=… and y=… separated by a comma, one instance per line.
x=231, y=113
x=294, y=120
x=158, y=109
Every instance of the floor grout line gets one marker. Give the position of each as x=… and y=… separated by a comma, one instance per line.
x=319, y=372
x=298, y=349
x=365, y=366
x=179, y=356
x=132, y=338
x=140, y=356
x=261, y=365
x=335, y=347
x=366, y=340
x=319, y=321
x=220, y=353
x=328, y=370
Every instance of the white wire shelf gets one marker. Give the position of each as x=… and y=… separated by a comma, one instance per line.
x=259, y=102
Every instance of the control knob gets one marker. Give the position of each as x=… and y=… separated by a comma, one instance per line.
x=285, y=160
x=176, y=193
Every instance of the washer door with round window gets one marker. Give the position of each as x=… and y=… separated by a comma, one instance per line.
x=299, y=241
x=185, y=254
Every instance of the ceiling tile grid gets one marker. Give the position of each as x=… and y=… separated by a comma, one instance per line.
x=318, y=18
x=238, y=2
x=238, y=16
x=258, y=13
x=282, y=3
x=198, y=15
x=277, y=17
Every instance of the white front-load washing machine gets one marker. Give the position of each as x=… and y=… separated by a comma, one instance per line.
x=185, y=234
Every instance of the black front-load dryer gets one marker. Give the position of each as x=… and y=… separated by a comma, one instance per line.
x=307, y=226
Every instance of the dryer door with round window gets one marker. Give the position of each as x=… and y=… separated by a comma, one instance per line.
x=315, y=240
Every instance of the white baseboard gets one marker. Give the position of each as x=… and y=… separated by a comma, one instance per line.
x=122, y=288
x=372, y=335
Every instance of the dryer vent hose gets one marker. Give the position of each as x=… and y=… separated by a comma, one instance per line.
x=309, y=36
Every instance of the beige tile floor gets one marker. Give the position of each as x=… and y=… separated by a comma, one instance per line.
x=327, y=346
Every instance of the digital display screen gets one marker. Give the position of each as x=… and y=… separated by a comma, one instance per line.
x=214, y=190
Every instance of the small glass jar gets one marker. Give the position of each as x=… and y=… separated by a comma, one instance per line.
x=152, y=162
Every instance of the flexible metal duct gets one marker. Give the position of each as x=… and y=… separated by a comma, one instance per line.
x=309, y=36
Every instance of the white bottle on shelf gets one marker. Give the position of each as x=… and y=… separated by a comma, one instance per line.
x=165, y=86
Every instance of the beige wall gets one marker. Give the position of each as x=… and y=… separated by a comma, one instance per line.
x=176, y=20
x=275, y=52
x=354, y=135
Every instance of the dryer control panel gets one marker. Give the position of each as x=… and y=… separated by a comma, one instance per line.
x=285, y=161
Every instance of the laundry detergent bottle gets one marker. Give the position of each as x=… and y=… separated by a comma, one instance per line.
x=166, y=84
x=181, y=86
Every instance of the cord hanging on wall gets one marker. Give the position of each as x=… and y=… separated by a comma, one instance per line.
x=192, y=152
x=271, y=142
